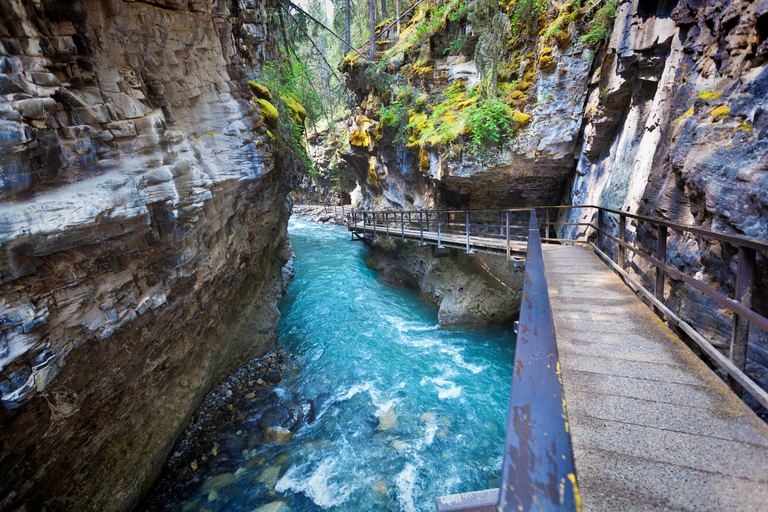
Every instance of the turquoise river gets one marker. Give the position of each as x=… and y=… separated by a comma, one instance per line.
x=375, y=357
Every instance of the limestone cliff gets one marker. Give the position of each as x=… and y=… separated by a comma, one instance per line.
x=142, y=233
x=653, y=107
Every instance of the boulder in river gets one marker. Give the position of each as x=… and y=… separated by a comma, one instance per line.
x=275, y=506
x=388, y=419
x=277, y=435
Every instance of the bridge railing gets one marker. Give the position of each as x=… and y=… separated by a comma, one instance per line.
x=537, y=471
x=744, y=256
x=503, y=225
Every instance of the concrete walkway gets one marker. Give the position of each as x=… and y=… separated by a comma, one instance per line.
x=653, y=428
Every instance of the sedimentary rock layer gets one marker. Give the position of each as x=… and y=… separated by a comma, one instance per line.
x=142, y=233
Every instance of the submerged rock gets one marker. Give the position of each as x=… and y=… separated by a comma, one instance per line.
x=477, y=289
x=275, y=506
x=388, y=419
x=277, y=435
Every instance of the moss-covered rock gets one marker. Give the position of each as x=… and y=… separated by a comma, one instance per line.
x=268, y=112
x=259, y=91
x=295, y=109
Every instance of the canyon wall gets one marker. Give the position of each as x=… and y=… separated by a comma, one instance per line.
x=143, y=213
x=655, y=107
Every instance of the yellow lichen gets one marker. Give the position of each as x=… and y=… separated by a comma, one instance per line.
x=424, y=158
x=707, y=95
x=688, y=113
x=360, y=137
x=519, y=117
x=295, y=109
x=268, y=112
x=720, y=112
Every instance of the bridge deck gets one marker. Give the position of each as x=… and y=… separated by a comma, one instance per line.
x=653, y=428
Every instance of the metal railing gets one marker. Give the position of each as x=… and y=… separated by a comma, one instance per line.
x=538, y=471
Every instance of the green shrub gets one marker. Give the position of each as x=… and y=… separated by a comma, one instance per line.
x=488, y=121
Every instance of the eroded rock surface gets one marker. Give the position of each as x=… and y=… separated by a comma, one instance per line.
x=142, y=234
x=478, y=289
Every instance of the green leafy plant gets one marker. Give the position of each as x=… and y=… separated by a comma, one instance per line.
x=600, y=25
x=457, y=44
x=488, y=121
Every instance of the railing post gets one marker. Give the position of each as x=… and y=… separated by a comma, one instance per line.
x=402, y=225
x=546, y=223
x=439, y=244
x=374, y=223
x=386, y=221
x=467, y=222
x=745, y=283
x=421, y=227
x=508, y=248
x=661, y=255
x=427, y=227
x=622, y=236
x=600, y=229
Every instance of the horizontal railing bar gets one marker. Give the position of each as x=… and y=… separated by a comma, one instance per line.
x=748, y=384
x=721, y=299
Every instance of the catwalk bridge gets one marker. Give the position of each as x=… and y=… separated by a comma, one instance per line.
x=610, y=409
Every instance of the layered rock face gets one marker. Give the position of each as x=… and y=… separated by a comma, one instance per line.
x=142, y=233
x=479, y=289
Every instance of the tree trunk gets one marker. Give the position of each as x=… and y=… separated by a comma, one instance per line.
x=494, y=77
x=384, y=14
x=348, y=33
x=372, y=27
x=397, y=16
x=285, y=39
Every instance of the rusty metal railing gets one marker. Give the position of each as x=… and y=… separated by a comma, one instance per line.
x=538, y=471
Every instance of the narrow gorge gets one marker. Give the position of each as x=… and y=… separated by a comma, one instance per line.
x=158, y=157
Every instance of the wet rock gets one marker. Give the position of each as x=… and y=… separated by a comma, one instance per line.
x=278, y=416
x=308, y=407
x=275, y=506
x=274, y=378
x=388, y=419
x=269, y=476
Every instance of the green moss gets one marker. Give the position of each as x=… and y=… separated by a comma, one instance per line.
x=295, y=109
x=259, y=91
x=268, y=112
